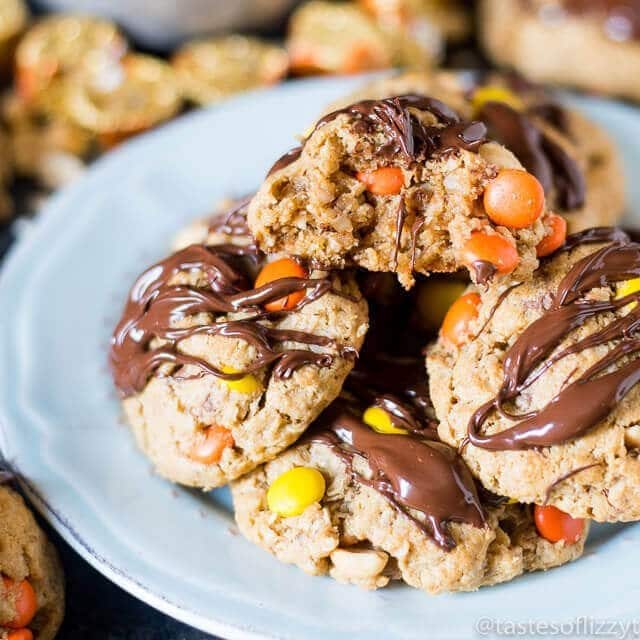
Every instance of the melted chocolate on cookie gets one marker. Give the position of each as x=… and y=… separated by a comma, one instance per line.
x=413, y=471
x=405, y=134
x=406, y=137
x=155, y=307
x=584, y=402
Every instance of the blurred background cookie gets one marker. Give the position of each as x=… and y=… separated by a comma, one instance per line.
x=14, y=17
x=593, y=45
x=209, y=70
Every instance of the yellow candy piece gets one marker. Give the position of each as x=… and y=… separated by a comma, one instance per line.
x=247, y=384
x=293, y=491
x=495, y=93
x=435, y=296
x=626, y=288
x=380, y=421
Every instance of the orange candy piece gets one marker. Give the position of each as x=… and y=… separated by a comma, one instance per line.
x=386, y=181
x=514, y=199
x=462, y=312
x=24, y=601
x=209, y=447
x=362, y=57
x=491, y=248
x=20, y=634
x=555, y=525
x=276, y=270
x=555, y=238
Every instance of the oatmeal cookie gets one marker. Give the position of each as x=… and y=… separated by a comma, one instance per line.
x=592, y=45
x=31, y=578
x=219, y=374
x=402, y=184
x=370, y=495
x=536, y=381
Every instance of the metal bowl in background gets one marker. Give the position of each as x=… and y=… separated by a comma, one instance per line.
x=162, y=24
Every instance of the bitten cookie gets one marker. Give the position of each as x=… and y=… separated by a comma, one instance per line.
x=536, y=381
x=573, y=158
x=592, y=45
x=223, y=358
x=370, y=495
x=31, y=578
x=402, y=184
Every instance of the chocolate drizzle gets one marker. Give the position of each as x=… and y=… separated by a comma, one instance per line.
x=399, y=386
x=595, y=235
x=233, y=221
x=406, y=135
x=407, y=139
x=539, y=154
x=483, y=271
x=584, y=402
x=566, y=476
x=155, y=308
x=410, y=471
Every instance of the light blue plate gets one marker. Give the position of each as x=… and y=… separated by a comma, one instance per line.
x=61, y=292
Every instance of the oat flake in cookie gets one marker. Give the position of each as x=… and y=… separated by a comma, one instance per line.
x=401, y=184
x=554, y=418
x=31, y=578
x=217, y=374
x=370, y=495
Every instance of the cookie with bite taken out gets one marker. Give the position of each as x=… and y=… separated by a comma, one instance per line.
x=403, y=184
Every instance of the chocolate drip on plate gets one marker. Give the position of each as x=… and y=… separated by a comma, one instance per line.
x=412, y=472
x=155, y=307
x=539, y=154
x=590, y=398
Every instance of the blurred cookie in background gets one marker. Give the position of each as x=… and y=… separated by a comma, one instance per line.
x=328, y=37
x=450, y=18
x=592, y=45
x=42, y=147
x=57, y=46
x=13, y=19
x=129, y=96
x=210, y=70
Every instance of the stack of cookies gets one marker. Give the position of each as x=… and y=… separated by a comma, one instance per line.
x=413, y=352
